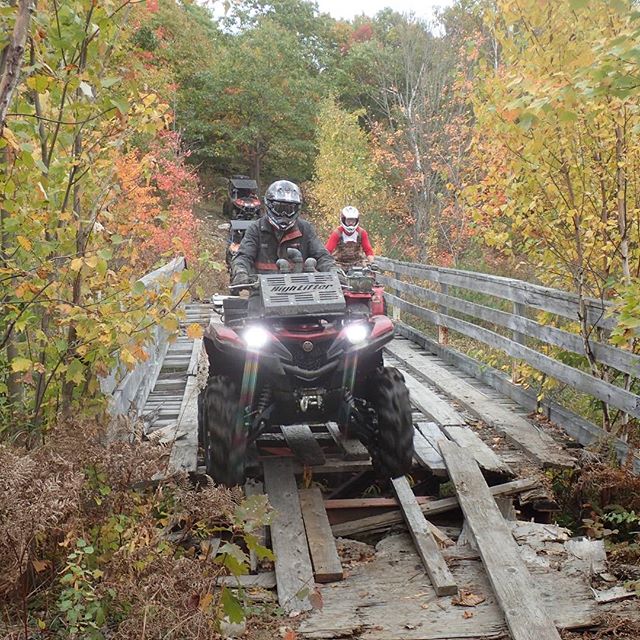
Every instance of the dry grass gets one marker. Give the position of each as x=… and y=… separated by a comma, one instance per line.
x=150, y=566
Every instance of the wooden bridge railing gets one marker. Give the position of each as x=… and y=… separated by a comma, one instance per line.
x=410, y=297
x=129, y=389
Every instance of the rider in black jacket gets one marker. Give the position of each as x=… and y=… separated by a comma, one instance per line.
x=281, y=228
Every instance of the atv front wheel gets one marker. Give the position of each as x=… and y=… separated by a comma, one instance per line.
x=223, y=433
x=392, y=449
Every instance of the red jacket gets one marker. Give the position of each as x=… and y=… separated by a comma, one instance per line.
x=336, y=238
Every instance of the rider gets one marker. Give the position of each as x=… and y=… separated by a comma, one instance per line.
x=281, y=228
x=349, y=243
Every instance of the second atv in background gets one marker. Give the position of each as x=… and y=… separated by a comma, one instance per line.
x=242, y=202
x=242, y=207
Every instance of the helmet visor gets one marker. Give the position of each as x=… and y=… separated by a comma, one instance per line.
x=286, y=209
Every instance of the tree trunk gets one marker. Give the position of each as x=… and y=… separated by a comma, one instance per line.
x=13, y=58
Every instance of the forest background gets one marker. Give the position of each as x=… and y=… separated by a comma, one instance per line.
x=502, y=138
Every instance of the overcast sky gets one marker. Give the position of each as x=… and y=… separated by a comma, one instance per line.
x=350, y=8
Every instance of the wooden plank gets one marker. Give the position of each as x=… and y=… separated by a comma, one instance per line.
x=605, y=391
x=353, y=449
x=477, y=449
x=301, y=441
x=426, y=454
x=581, y=430
x=620, y=359
x=439, y=574
x=192, y=369
x=294, y=573
x=366, y=503
x=430, y=404
x=375, y=523
x=509, y=577
x=322, y=545
x=561, y=303
x=255, y=488
x=266, y=580
x=537, y=444
x=184, y=452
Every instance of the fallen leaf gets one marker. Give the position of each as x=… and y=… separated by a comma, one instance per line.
x=290, y=634
x=466, y=598
x=40, y=565
x=467, y=614
x=315, y=598
x=424, y=606
x=409, y=626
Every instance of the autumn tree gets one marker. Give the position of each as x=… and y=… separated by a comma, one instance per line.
x=68, y=280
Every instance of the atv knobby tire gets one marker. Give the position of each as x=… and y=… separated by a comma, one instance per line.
x=223, y=433
x=392, y=447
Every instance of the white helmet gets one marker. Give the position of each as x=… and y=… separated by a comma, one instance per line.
x=349, y=219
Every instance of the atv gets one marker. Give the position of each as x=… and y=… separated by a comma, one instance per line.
x=242, y=207
x=242, y=202
x=297, y=352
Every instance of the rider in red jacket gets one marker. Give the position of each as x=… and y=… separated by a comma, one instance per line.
x=349, y=243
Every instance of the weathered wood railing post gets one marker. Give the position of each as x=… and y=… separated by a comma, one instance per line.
x=395, y=312
x=520, y=338
x=443, y=332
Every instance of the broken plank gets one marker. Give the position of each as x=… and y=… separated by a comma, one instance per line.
x=294, y=573
x=486, y=458
x=439, y=574
x=509, y=577
x=385, y=520
x=326, y=563
x=303, y=444
x=426, y=455
x=518, y=430
x=353, y=449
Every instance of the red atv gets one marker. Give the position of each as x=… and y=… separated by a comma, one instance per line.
x=305, y=348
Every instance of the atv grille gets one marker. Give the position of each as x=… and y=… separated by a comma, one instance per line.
x=294, y=294
x=308, y=360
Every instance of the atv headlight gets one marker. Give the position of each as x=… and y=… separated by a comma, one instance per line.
x=356, y=333
x=256, y=337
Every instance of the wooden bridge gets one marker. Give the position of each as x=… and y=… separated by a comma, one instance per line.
x=464, y=548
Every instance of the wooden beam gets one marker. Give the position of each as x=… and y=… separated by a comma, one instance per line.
x=353, y=449
x=386, y=520
x=184, y=452
x=303, y=444
x=426, y=454
x=439, y=574
x=620, y=359
x=576, y=426
x=322, y=545
x=537, y=444
x=294, y=573
x=561, y=303
x=509, y=577
x=584, y=382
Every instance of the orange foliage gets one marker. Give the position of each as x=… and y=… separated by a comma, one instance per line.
x=159, y=193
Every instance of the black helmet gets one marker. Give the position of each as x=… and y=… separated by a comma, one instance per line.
x=283, y=201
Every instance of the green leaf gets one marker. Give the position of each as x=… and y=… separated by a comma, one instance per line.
x=231, y=606
x=109, y=82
